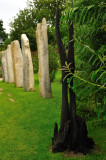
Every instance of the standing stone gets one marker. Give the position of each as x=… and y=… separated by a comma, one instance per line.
x=10, y=71
x=4, y=66
x=27, y=64
x=17, y=63
x=42, y=45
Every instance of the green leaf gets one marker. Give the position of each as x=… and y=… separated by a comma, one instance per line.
x=102, y=77
x=94, y=74
x=95, y=60
x=99, y=112
x=91, y=6
x=90, y=49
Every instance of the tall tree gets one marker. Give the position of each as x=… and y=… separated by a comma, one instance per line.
x=73, y=131
x=44, y=8
x=3, y=34
x=24, y=22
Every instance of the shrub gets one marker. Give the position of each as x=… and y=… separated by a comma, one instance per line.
x=54, y=61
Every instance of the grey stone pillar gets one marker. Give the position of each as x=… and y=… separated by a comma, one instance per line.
x=4, y=66
x=9, y=59
x=27, y=64
x=17, y=63
x=42, y=45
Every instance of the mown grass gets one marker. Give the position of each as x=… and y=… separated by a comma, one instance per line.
x=27, y=123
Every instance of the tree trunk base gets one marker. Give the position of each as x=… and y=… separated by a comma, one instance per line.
x=73, y=137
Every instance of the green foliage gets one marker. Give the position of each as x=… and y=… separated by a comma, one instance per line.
x=54, y=61
x=94, y=122
x=35, y=61
x=43, y=9
x=51, y=35
x=26, y=21
x=89, y=20
x=3, y=35
x=87, y=12
x=6, y=43
x=95, y=88
x=89, y=28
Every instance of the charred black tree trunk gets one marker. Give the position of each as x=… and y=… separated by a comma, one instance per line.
x=72, y=134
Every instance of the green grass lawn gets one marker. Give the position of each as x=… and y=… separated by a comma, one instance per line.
x=27, y=123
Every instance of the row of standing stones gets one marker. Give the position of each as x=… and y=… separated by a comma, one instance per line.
x=17, y=66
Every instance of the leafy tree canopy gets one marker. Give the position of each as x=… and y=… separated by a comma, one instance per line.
x=3, y=34
x=44, y=8
x=27, y=19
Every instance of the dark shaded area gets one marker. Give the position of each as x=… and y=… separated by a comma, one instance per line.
x=73, y=137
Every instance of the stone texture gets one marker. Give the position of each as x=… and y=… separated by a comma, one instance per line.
x=9, y=60
x=17, y=63
x=27, y=64
x=4, y=66
x=42, y=45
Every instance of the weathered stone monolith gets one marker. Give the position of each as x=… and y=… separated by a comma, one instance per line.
x=27, y=64
x=42, y=45
x=9, y=60
x=17, y=63
x=4, y=66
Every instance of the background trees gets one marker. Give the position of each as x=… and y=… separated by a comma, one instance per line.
x=27, y=19
x=44, y=8
x=3, y=35
x=24, y=23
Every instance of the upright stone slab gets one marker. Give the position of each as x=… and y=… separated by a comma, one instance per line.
x=42, y=45
x=17, y=63
x=4, y=66
x=27, y=64
x=9, y=59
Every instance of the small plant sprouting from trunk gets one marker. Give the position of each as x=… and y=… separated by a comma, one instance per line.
x=72, y=134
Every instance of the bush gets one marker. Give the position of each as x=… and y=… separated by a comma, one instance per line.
x=54, y=61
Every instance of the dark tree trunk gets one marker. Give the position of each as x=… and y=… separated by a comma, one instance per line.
x=73, y=130
x=72, y=68
x=65, y=108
